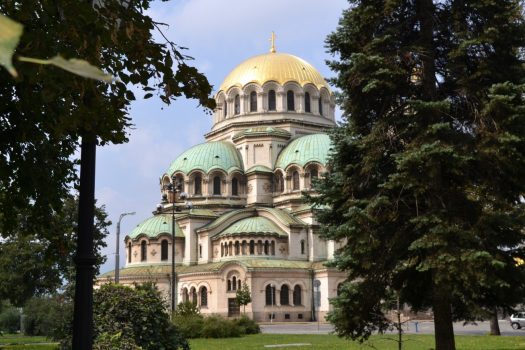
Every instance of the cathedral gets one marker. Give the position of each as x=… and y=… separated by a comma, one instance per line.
x=233, y=209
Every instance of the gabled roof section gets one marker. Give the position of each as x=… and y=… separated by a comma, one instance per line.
x=155, y=226
x=252, y=226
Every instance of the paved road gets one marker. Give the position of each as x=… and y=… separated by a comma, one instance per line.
x=423, y=327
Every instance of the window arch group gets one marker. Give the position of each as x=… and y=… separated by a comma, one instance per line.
x=248, y=247
x=284, y=295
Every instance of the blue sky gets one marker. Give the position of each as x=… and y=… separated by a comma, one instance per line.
x=220, y=34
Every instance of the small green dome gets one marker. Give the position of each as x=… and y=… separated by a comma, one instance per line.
x=251, y=226
x=208, y=156
x=309, y=148
x=155, y=226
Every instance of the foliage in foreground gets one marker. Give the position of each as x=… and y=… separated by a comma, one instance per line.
x=128, y=318
x=43, y=316
x=192, y=324
x=9, y=318
x=428, y=165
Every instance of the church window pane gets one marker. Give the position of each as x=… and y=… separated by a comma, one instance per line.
x=339, y=289
x=285, y=295
x=229, y=285
x=302, y=246
x=193, y=295
x=225, y=108
x=243, y=248
x=272, y=247
x=320, y=105
x=307, y=108
x=143, y=251
x=197, y=185
x=239, y=283
x=200, y=250
x=252, y=247
x=266, y=248
x=314, y=173
x=297, y=295
x=290, y=100
x=185, y=295
x=222, y=249
x=237, y=248
x=217, y=185
x=235, y=187
x=129, y=252
x=271, y=100
x=253, y=101
x=164, y=250
x=237, y=105
x=230, y=246
x=234, y=283
x=295, y=181
x=270, y=295
x=204, y=296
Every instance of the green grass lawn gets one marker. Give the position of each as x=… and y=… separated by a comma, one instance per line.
x=17, y=341
x=413, y=342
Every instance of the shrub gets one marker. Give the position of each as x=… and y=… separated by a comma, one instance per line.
x=141, y=312
x=218, y=327
x=9, y=319
x=189, y=326
x=187, y=309
x=247, y=325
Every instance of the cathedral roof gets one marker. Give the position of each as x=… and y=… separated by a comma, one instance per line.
x=305, y=149
x=155, y=226
x=273, y=66
x=262, y=131
x=252, y=226
x=208, y=156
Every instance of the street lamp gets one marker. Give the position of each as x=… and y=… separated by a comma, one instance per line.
x=174, y=187
x=117, y=255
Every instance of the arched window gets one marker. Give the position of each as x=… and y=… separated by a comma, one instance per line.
x=239, y=283
x=252, y=247
x=143, y=251
x=314, y=173
x=279, y=183
x=272, y=247
x=185, y=295
x=197, y=188
x=164, y=250
x=200, y=250
x=307, y=108
x=237, y=248
x=222, y=249
x=217, y=185
x=178, y=181
x=225, y=108
x=266, y=248
x=271, y=100
x=229, y=285
x=270, y=295
x=129, y=252
x=234, y=283
x=253, y=101
x=320, y=105
x=235, y=187
x=297, y=295
x=237, y=105
x=295, y=181
x=204, y=296
x=285, y=295
x=193, y=295
x=290, y=100
x=302, y=246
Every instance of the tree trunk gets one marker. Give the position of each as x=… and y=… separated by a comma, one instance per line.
x=443, y=329
x=494, y=325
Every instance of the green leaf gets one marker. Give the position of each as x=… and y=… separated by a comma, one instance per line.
x=73, y=65
x=10, y=33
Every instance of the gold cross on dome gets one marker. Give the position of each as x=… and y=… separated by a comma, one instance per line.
x=272, y=40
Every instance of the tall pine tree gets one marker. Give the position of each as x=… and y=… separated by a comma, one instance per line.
x=428, y=165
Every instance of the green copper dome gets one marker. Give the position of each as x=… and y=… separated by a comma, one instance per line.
x=155, y=226
x=208, y=156
x=256, y=225
x=309, y=148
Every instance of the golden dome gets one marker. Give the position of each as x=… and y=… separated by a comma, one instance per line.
x=278, y=67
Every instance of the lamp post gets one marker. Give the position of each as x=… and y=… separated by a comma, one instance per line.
x=174, y=187
x=117, y=249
